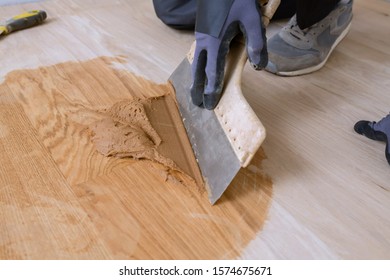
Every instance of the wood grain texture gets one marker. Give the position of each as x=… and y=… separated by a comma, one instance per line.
x=139, y=212
x=315, y=190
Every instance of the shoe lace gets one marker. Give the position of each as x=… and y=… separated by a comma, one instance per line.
x=305, y=34
x=297, y=32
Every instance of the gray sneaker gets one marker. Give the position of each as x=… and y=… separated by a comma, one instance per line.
x=293, y=51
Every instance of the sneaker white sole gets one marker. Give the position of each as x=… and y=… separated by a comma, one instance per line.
x=318, y=66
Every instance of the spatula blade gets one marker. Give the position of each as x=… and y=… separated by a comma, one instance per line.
x=216, y=158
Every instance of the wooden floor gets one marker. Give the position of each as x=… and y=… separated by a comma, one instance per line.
x=315, y=189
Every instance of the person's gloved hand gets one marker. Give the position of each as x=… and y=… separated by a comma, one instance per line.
x=217, y=23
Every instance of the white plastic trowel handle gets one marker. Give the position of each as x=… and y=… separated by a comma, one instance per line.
x=239, y=122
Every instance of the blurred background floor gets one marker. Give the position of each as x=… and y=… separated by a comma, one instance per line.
x=315, y=190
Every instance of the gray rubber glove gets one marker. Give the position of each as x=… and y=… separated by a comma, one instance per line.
x=217, y=23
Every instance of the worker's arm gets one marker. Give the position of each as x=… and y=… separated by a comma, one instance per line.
x=217, y=23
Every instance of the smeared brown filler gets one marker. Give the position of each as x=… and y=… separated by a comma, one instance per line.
x=127, y=132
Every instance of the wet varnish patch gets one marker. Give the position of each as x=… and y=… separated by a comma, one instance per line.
x=117, y=208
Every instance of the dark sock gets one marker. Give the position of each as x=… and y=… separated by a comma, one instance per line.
x=286, y=9
x=309, y=12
